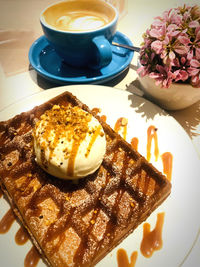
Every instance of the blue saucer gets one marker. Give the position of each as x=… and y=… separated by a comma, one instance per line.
x=48, y=64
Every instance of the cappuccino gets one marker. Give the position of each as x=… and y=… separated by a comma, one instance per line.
x=81, y=31
x=82, y=15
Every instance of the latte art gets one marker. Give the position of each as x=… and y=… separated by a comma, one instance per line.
x=80, y=22
x=80, y=31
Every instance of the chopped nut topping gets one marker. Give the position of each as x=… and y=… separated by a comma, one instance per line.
x=56, y=107
x=48, y=222
x=67, y=198
x=124, y=122
x=59, y=120
x=35, y=188
x=101, y=134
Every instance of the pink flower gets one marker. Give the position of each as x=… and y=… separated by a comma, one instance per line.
x=184, y=39
x=163, y=77
x=171, y=17
x=173, y=30
x=158, y=32
x=142, y=71
x=197, y=52
x=171, y=49
x=195, y=81
x=196, y=42
x=194, y=71
x=195, y=67
x=193, y=44
x=181, y=75
x=193, y=24
x=157, y=46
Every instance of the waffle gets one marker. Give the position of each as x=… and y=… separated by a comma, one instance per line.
x=77, y=224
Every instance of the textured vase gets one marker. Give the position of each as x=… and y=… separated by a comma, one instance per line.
x=177, y=96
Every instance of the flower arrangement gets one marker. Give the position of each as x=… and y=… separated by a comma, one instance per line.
x=171, y=48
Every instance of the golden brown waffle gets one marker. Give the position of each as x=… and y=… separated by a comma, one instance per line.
x=77, y=224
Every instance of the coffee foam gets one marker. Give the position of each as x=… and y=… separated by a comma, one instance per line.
x=82, y=15
x=80, y=21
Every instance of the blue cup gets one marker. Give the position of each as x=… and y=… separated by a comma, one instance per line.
x=81, y=31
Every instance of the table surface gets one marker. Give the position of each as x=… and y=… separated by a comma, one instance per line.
x=20, y=26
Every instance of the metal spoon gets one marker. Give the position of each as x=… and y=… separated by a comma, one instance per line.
x=133, y=48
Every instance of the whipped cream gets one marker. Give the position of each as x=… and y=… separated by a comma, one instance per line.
x=69, y=143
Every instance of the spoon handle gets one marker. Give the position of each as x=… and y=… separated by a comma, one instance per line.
x=133, y=48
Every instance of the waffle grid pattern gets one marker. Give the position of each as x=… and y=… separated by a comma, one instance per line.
x=77, y=224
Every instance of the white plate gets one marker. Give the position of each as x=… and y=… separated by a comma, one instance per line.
x=182, y=219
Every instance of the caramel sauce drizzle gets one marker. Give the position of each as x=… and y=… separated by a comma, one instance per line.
x=7, y=221
x=167, y=159
x=122, y=258
x=103, y=118
x=32, y=258
x=75, y=148
x=121, y=123
x=94, y=137
x=108, y=232
x=152, y=240
x=96, y=110
x=134, y=143
x=152, y=134
x=70, y=168
x=21, y=236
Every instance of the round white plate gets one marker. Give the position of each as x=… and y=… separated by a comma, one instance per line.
x=182, y=218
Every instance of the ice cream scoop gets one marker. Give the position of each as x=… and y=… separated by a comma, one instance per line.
x=69, y=143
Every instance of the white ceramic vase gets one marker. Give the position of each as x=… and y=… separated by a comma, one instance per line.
x=177, y=96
